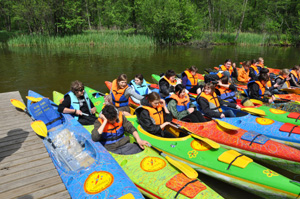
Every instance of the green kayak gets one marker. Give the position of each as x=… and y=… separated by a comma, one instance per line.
x=226, y=165
x=154, y=176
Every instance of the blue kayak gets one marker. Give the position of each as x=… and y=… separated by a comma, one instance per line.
x=282, y=132
x=86, y=168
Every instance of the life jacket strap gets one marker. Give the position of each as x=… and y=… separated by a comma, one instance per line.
x=49, y=123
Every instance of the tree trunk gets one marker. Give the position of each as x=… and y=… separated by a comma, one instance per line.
x=242, y=19
x=87, y=14
x=210, y=15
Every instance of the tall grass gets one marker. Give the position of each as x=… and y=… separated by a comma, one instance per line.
x=91, y=38
x=243, y=39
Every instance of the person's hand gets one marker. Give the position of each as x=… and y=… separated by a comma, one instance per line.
x=78, y=112
x=272, y=99
x=276, y=85
x=93, y=110
x=190, y=110
x=102, y=117
x=162, y=102
x=178, y=81
x=238, y=107
x=288, y=78
x=222, y=115
x=143, y=143
x=162, y=126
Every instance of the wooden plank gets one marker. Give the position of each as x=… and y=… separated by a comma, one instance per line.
x=25, y=154
x=17, y=168
x=28, y=180
x=63, y=194
x=54, y=190
x=16, y=139
x=30, y=188
x=15, y=149
x=25, y=173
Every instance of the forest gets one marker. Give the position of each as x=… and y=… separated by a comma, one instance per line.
x=165, y=21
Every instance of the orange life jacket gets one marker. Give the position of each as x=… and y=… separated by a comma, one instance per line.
x=192, y=80
x=269, y=84
x=255, y=69
x=230, y=69
x=156, y=114
x=112, y=132
x=243, y=75
x=118, y=97
x=171, y=83
x=213, y=101
x=262, y=89
x=182, y=103
x=293, y=72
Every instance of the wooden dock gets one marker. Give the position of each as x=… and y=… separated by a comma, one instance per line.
x=26, y=170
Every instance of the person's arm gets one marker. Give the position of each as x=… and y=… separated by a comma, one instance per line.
x=252, y=74
x=293, y=81
x=234, y=72
x=204, y=105
x=64, y=107
x=128, y=127
x=145, y=121
x=172, y=106
x=254, y=93
x=131, y=92
x=229, y=104
x=163, y=88
x=96, y=136
x=184, y=80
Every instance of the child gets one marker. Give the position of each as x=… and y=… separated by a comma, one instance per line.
x=109, y=131
x=230, y=68
x=225, y=90
x=295, y=78
x=190, y=80
x=120, y=93
x=210, y=104
x=167, y=83
x=181, y=108
x=260, y=64
x=283, y=79
x=140, y=86
x=154, y=116
x=77, y=102
x=254, y=72
x=243, y=73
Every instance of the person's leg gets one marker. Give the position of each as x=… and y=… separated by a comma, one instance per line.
x=167, y=134
x=229, y=113
x=128, y=149
x=189, y=118
x=199, y=116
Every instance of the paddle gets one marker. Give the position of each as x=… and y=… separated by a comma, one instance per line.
x=186, y=169
x=40, y=129
x=255, y=101
x=211, y=143
x=254, y=111
x=21, y=106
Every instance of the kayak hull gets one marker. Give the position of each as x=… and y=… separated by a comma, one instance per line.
x=79, y=161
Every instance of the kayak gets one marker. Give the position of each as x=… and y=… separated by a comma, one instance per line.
x=58, y=98
x=248, y=143
x=154, y=168
x=85, y=166
x=281, y=132
x=292, y=90
x=226, y=165
x=292, y=97
x=188, y=150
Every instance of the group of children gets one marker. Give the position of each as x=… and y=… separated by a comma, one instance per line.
x=157, y=109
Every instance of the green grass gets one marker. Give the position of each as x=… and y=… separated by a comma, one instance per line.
x=219, y=38
x=90, y=38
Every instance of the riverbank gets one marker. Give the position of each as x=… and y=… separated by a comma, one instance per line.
x=118, y=38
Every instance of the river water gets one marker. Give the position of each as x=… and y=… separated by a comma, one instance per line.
x=46, y=69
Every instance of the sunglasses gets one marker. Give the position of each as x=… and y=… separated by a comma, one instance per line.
x=80, y=90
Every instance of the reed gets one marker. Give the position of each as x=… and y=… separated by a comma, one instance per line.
x=91, y=38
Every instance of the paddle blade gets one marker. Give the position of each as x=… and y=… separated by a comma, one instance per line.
x=18, y=104
x=186, y=169
x=227, y=125
x=39, y=128
x=254, y=111
x=211, y=143
x=255, y=101
x=34, y=99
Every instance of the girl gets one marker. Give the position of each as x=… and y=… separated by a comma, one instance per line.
x=181, y=108
x=295, y=78
x=230, y=68
x=243, y=73
x=190, y=80
x=210, y=104
x=225, y=90
x=283, y=79
x=120, y=92
x=254, y=72
x=140, y=86
x=167, y=83
x=154, y=116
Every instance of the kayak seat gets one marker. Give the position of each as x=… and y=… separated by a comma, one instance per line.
x=290, y=128
x=233, y=157
x=294, y=115
x=185, y=186
x=254, y=137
